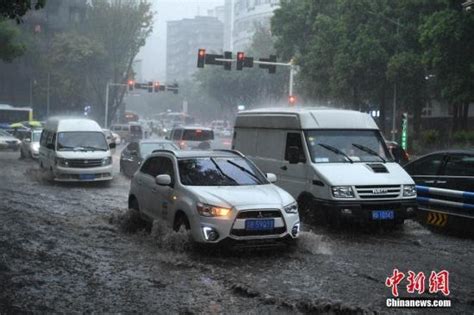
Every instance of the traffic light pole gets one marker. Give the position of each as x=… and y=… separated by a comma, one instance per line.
x=107, y=101
x=281, y=64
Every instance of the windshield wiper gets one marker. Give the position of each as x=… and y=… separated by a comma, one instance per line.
x=222, y=172
x=335, y=150
x=87, y=148
x=368, y=150
x=245, y=170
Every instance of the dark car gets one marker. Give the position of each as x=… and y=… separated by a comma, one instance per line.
x=135, y=152
x=399, y=154
x=452, y=169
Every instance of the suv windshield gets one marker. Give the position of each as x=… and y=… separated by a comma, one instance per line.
x=219, y=172
x=333, y=146
x=85, y=141
x=198, y=135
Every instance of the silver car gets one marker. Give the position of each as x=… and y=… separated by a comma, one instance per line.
x=29, y=147
x=217, y=195
x=8, y=142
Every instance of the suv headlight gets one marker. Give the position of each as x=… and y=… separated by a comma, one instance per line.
x=107, y=161
x=212, y=211
x=342, y=192
x=409, y=190
x=291, y=208
x=62, y=162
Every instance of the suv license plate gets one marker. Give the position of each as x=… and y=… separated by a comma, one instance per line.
x=383, y=215
x=259, y=225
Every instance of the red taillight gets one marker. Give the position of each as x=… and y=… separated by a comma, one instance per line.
x=182, y=144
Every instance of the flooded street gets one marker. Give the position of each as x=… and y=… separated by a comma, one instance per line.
x=76, y=248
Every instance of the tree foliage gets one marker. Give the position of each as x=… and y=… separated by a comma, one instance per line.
x=353, y=53
x=10, y=45
x=18, y=8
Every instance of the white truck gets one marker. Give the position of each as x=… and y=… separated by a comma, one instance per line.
x=333, y=162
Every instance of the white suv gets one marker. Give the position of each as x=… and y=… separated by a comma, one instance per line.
x=217, y=195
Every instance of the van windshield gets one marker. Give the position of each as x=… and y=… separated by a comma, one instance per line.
x=82, y=141
x=339, y=146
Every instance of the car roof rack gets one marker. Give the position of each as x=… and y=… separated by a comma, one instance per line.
x=230, y=151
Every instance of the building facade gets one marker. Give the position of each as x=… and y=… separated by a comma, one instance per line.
x=247, y=14
x=184, y=38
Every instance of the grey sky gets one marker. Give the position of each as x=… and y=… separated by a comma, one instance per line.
x=153, y=55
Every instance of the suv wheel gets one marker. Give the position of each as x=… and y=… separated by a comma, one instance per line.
x=181, y=220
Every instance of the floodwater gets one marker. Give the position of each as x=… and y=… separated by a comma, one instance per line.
x=77, y=248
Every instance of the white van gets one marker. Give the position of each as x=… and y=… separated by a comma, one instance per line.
x=334, y=162
x=74, y=149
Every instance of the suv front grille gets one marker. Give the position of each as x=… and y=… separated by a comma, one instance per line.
x=278, y=229
x=259, y=214
x=84, y=163
x=376, y=192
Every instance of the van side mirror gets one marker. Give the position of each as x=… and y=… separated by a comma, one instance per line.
x=112, y=145
x=50, y=146
x=272, y=178
x=293, y=155
x=163, y=180
x=27, y=140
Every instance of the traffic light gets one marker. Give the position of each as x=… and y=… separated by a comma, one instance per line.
x=292, y=100
x=271, y=68
x=201, y=58
x=156, y=87
x=227, y=64
x=150, y=87
x=131, y=85
x=240, y=60
x=173, y=87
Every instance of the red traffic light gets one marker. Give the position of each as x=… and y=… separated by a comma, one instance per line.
x=240, y=56
x=131, y=85
x=156, y=86
x=292, y=100
x=240, y=60
x=201, y=58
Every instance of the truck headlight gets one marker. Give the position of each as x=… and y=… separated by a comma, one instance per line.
x=107, y=161
x=212, y=211
x=291, y=208
x=409, y=191
x=62, y=162
x=342, y=192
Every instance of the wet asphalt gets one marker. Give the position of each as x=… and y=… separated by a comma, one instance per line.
x=76, y=248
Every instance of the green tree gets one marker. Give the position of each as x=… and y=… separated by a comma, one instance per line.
x=447, y=37
x=75, y=59
x=122, y=27
x=18, y=8
x=11, y=47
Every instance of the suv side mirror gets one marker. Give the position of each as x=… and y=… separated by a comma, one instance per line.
x=293, y=155
x=272, y=178
x=163, y=180
x=112, y=145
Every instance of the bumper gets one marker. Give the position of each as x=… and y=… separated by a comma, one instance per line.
x=9, y=146
x=234, y=229
x=363, y=211
x=64, y=174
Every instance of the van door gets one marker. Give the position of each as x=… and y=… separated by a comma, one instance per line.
x=293, y=177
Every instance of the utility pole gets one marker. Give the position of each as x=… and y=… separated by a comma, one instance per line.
x=109, y=84
x=394, y=110
x=47, y=94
